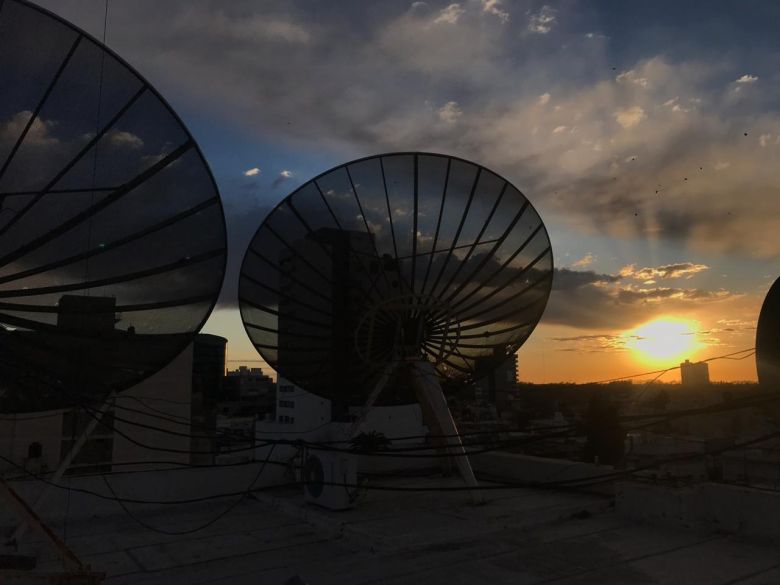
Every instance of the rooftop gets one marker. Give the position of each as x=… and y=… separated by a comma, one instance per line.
x=519, y=536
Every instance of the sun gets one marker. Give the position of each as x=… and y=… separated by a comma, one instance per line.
x=663, y=341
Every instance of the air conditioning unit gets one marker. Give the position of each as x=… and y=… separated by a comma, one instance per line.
x=330, y=479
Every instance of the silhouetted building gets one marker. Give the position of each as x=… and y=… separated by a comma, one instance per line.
x=90, y=315
x=317, y=336
x=185, y=390
x=208, y=372
x=496, y=387
x=248, y=392
x=694, y=374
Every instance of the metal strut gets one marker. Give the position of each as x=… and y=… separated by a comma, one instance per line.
x=439, y=419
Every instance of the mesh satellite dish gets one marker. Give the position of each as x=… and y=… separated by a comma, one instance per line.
x=768, y=340
x=385, y=275
x=112, y=235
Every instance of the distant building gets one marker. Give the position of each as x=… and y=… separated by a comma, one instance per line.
x=325, y=279
x=248, y=392
x=86, y=315
x=694, y=374
x=496, y=388
x=295, y=406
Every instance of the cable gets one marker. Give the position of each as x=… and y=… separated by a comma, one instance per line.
x=213, y=520
x=503, y=485
x=720, y=357
x=730, y=405
x=179, y=466
x=155, y=398
x=405, y=452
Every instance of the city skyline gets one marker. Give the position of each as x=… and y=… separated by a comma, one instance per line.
x=649, y=156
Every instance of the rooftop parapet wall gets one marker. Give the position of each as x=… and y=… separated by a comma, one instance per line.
x=745, y=512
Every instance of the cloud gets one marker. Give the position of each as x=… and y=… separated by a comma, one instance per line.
x=449, y=112
x=597, y=343
x=542, y=21
x=371, y=79
x=590, y=300
x=747, y=79
x=630, y=76
x=678, y=270
x=281, y=178
x=450, y=15
x=567, y=279
x=675, y=105
x=630, y=117
x=494, y=7
x=39, y=133
x=631, y=295
x=586, y=260
x=253, y=172
x=121, y=138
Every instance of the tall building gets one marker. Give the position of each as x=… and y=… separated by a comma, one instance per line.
x=496, y=387
x=86, y=315
x=327, y=276
x=694, y=374
x=208, y=373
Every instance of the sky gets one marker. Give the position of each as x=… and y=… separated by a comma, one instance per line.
x=646, y=134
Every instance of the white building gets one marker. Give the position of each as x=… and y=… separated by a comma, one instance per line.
x=168, y=417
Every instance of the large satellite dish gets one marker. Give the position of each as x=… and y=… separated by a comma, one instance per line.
x=386, y=275
x=768, y=340
x=395, y=257
x=112, y=234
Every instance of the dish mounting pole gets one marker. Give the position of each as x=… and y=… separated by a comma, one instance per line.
x=438, y=417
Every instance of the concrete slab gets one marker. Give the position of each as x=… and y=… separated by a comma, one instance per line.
x=518, y=537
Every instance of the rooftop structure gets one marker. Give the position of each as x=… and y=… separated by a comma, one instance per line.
x=398, y=537
x=694, y=374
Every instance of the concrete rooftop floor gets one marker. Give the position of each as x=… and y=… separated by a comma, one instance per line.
x=517, y=537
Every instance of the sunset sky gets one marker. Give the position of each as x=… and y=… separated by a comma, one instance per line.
x=647, y=135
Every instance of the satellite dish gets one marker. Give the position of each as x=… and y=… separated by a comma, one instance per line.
x=768, y=340
x=383, y=276
x=112, y=234
x=334, y=285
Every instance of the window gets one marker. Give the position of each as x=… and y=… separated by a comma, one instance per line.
x=287, y=403
x=286, y=388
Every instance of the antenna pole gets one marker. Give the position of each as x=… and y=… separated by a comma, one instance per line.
x=75, y=568
x=372, y=398
x=439, y=419
x=40, y=501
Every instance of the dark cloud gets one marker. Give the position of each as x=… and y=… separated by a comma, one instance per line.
x=567, y=279
x=243, y=221
x=659, y=145
x=588, y=300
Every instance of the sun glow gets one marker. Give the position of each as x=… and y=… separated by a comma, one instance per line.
x=663, y=341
